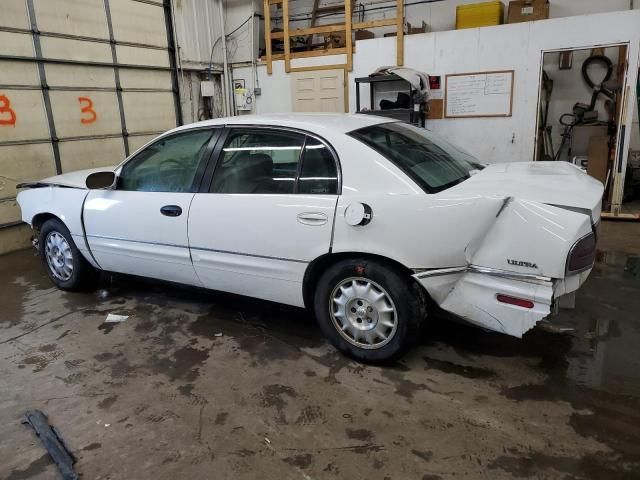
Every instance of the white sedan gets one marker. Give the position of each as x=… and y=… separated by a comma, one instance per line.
x=368, y=222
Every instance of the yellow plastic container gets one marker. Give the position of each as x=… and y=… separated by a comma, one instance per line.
x=483, y=14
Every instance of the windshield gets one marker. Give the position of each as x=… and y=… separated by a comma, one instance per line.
x=429, y=160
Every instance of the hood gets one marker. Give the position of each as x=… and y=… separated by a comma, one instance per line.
x=561, y=184
x=75, y=179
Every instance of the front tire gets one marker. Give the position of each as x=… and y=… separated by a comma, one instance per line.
x=368, y=310
x=64, y=263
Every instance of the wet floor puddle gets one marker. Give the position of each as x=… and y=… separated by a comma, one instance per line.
x=596, y=369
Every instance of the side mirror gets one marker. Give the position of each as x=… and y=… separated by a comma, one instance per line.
x=100, y=180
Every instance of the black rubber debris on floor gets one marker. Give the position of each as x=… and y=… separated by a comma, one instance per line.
x=53, y=443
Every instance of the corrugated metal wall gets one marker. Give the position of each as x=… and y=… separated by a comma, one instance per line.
x=82, y=84
x=197, y=27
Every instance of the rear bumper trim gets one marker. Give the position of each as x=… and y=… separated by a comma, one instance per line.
x=523, y=277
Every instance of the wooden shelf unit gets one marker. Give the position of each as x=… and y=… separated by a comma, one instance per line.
x=347, y=27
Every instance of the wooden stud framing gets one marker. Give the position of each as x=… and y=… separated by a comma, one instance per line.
x=339, y=27
x=387, y=22
x=348, y=27
x=400, y=32
x=318, y=67
x=267, y=30
x=348, y=40
x=311, y=53
x=287, y=37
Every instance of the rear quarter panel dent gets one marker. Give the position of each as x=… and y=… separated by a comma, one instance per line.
x=417, y=230
x=531, y=232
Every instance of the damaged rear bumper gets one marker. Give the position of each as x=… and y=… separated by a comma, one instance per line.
x=471, y=293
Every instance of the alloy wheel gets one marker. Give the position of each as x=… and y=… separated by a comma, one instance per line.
x=59, y=256
x=363, y=313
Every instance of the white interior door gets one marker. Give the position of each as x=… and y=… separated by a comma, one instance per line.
x=318, y=91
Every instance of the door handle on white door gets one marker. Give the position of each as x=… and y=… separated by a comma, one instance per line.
x=312, y=218
x=171, y=211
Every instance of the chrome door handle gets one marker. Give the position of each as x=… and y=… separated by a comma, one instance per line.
x=312, y=218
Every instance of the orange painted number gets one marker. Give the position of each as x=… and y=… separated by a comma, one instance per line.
x=88, y=109
x=7, y=115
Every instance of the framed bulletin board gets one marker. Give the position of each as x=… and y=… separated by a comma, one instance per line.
x=479, y=94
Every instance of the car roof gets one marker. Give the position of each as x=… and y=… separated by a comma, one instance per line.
x=312, y=122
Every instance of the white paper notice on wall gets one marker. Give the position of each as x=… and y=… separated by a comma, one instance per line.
x=480, y=94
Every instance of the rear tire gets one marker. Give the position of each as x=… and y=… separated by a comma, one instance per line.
x=65, y=265
x=369, y=310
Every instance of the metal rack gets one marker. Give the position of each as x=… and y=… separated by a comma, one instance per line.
x=414, y=114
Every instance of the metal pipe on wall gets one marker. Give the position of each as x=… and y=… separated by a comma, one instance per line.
x=253, y=56
x=225, y=65
x=176, y=45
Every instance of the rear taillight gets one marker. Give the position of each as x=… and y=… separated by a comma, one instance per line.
x=582, y=255
x=518, y=302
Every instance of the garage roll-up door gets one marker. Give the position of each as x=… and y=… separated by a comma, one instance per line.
x=83, y=83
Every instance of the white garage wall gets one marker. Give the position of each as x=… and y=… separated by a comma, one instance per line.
x=516, y=47
x=197, y=26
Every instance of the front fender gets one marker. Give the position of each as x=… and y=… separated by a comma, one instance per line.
x=64, y=203
x=61, y=202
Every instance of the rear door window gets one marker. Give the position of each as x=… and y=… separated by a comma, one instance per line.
x=319, y=173
x=258, y=161
x=271, y=161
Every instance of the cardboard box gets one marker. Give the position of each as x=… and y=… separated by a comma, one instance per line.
x=364, y=35
x=335, y=40
x=483, y=14
x=581, y=136
x=598, y=162
x=411, y=30
x=436, y=109
x=527, y=11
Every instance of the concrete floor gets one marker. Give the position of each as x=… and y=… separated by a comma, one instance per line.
x=163, y=396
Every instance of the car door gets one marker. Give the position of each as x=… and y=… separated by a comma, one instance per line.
x=268, y=212
x=140, y=227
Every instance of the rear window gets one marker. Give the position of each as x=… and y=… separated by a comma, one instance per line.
x=429, y=160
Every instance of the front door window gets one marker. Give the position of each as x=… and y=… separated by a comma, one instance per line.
x=169, y=165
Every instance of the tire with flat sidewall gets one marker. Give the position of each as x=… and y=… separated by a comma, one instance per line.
x=83, y=273
x=408, y=300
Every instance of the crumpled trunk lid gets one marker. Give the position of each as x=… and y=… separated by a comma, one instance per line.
x=561, y=184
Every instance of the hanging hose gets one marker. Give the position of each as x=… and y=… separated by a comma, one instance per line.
x=597, y=59
x=597, y=88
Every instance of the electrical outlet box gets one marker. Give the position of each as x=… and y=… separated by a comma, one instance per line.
x=207, y=88
x=257, y=91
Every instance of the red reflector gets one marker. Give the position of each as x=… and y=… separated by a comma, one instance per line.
x=519, y=302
